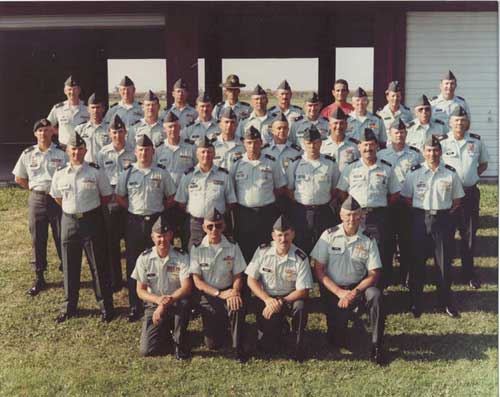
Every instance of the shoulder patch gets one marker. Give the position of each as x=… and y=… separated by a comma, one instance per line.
x=298, y=118
x=327, y=156
x=415, y=167
x=301, y=254
x=189, y=170
x=29, y=149
x=367, y=234
x=459, y=97
x=223, y=170
x=58, y=105
x=450, y=167
x=264, y=245
x=439, y=122
x=415, y=149
x=113, y=105
x=353, y=140
x=270, y=157
x=385, y=162
x=180, y=250
x=296, y=147
x=96, y=166
x=161, y=166
x=352, y=161
x=478, y=137
x=145, y=252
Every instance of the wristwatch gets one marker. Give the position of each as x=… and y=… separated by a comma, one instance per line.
x=217, y=293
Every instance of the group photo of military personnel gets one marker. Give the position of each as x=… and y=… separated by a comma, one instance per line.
x=233, y=208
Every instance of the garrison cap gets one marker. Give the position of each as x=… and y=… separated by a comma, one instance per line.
x=459, y=112
x=284, y=86
x=228, y=113
x=41, y=124
x=75, y=139
x=282, y=224
x=96, y=99
x=432, y=141
x=144, y=140
x=449, y=76
x=258, y=90
x=232, y=81
x=204, y=142
x=394, y=86
x=280, y=116
x=126, y=82
x=359, y=92
x=422, y=101
x=180, y=84
x=150, y=96
x=252, y=133
x=350, y=204
x=313, y=98
x=170, y=117
x=71, y=82
x=368, y=135
x=338, y=114
x=397, y=124
x=161, y=225
x=311, y=134
x=214, y=215
x=204, y=97
x=117, y=123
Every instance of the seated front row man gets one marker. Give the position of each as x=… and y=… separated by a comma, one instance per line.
x=280, y=277
x=347, y=266
x=163, y=283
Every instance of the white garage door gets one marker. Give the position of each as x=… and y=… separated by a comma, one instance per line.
x=467, y=44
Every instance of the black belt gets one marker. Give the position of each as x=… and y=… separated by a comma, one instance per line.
x=314, y=207
x=82, y=215
x=433, y=212
x=469, y=188
x=256, y=209
x=372, y=209
x=39, y=192
x=144, y=217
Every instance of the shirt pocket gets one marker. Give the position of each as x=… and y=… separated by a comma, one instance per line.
x=65, y=190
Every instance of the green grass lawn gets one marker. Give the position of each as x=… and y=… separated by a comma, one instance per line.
x=431, y=356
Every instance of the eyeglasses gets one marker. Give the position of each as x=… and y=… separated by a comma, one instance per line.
x=426, y=109
x=218, y=226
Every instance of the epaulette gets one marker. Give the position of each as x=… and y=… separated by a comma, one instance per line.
x=220, y=103
x=270, y=157
x=161, y=166
x=300, y=254
x=244, y=116
x=406, y=107
x=29, y=149
x=376, y=115
x=332, y=229
x=265, y=146
x=83, y=122
x=113, y=105
x=264, y=245
x=296, y=158
x=353, y=140
x=127, y=167
x=327, y=156
x=135, y=122
x=385, y=162
x=272, y=108
x=140, y=103
x=245, y=103
x=180, y=250
x=352, y=161
x=96, y=166
x=190, y=124
x=415, y=149
x=62, y=166
x=450, y=167
x=189, y=170
x=147, y=251
x=434, y=98
x=411, y=124
x=298, y=118
x=187, y=140
x=441, y=137
x=296, y=147
x=439, y=121
x=296, y=107
x=158, y=144
x=58, y=105
x=197, y=244
x=379, y=110
x=237, y=155
x=58, y=146
x=459, y=97
x=416, y=167
x=368, y=234
x=223, y=170
x=478, y=137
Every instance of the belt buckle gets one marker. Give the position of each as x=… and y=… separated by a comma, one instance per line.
x=79, y=215
x=433, y=212
x=147, y=218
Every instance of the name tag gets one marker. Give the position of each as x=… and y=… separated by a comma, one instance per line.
x=217, y=182
x=108, y=162
x=204, y=266
x=266, y=270
x=151, y=275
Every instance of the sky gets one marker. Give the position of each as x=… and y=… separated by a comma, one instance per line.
x=353, y=64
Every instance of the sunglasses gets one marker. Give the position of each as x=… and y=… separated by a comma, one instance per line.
x=426, y=109
x=218, y=226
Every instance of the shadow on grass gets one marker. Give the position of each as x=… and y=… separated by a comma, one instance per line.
x=488, y=221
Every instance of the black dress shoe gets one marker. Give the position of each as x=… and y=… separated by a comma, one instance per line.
x=416, y=311
x=62, y=318
x=107, y=317
x=452, y=312
x=474, y=283
x=133, y=316
x=38, y=286
x=181, y=354
x=377, y=355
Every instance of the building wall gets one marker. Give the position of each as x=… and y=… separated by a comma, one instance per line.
x=467, y=44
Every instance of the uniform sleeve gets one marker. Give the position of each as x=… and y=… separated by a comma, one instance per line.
x=407, y=187
x=383, y=133
x=320, y=250
x=457, y=190
x=394, y=185
x=109, y=114
x=121, y=188
x=279, y=177
x=343, y=183
x=290, y=174
x=184, y=267
x=20, y=168
x=483, y=154
x=52, y=117
x=139, y=272
x=103, y=184
x=292, y=137
x=169, y=188
x=181, y=196
x=54, y=190
x=373, y=261
x=239, y=262
x=304, y=276
x=194, y=262
x=335, y=175
x=229, y=191
x=253, y=268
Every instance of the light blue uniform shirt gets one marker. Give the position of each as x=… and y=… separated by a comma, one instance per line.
x=442, y=108
x=186, y=115
x=153, y=131
x=355, y=126
x=401, y=161
x=418, y=133
x=199, y=130
x=284, y=155
x=242, y=109
x=292, y=114
x=129, y=114
x=298, y=128
x=226, y=152
x=343, y=153
x=95, y=137
x=67, y=117
x=113, y=162
x=388, y=117
x=176, y=158
x=261, y=123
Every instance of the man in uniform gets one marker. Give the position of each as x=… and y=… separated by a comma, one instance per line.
x=361, y=118
x=150, y=125
x=403, y=158
x=34, y=171
x=164, y=285
x=280, y=277
x=182, y=109
x=145, y=190
x=340, y=93
x=129, y=110
x=231, y=92
x=312, y=178
x=205, y=124
x=424, y=125
x=114, y=159
x=95, y=131
x=203, y=187
x=394, y=109
x=258, y=181
x=374, y=185
x=347, y=266
x=446, y=102
x=312, y=117
x=342, y=149
x=259, y=118
x=465, y=152
x=68, y=114
x=433, y=190
x=227, y=147
x=217, y=266
x=284, y=97
x=81, y=188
